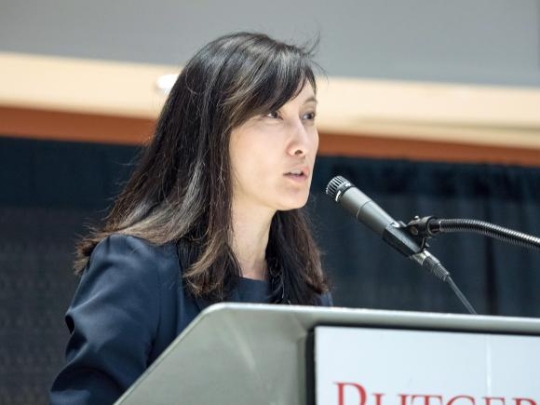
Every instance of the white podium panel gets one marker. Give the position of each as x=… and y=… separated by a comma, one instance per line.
x=375, y=366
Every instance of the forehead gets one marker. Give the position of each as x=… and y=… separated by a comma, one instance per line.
x=306, y=95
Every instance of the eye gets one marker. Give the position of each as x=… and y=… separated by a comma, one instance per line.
x=273, y=115
x=310, y=116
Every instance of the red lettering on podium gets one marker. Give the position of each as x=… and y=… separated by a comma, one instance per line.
x=356, y=394
x=489, y=399
x=403, y=398
x=458, y=397
x=427, y=398
x=518, y=401
x=341, y=392
x=378, y=397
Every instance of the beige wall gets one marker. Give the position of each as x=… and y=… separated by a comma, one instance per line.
x=115, y=102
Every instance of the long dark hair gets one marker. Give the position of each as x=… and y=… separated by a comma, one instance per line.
x=180, y=191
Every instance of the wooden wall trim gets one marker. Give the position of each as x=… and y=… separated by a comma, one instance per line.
x=370, y=146
x=74, y=126
x=79, y=127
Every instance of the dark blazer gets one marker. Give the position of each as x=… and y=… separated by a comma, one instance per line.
x=129, y=306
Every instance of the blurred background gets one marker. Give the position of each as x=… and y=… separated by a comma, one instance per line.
x=430, y=107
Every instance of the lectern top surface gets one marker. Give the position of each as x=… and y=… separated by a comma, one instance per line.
x=256, y=353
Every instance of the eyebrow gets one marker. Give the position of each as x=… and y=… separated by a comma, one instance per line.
x=311, y=99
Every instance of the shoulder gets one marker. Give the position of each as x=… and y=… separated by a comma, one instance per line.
x=128, y=273
x=128, y=270
x=132, y=247
x=126, y=255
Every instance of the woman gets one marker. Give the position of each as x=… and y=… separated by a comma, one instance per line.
x=211, y=213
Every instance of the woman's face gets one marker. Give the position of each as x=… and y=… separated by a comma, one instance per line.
x=273, y=155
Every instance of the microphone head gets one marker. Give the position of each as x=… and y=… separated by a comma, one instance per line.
x=337, y=186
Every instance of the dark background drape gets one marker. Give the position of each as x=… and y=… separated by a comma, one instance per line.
x=50, y=192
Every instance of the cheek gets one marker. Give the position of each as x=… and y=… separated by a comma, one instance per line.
x=315, y=139
x=314, y=147
x=249, y=163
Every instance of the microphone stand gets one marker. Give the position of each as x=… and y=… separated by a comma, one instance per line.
x=427, y=227
x=433, y=265
x=415, y=247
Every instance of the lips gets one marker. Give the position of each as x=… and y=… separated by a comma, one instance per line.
x=298, y=172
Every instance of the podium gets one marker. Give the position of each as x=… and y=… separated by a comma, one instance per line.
x=250, y=354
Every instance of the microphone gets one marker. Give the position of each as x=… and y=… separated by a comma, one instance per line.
x=393, y=232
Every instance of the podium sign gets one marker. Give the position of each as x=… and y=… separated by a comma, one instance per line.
x=374, y=366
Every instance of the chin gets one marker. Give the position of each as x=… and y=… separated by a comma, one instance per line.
x=294, y=204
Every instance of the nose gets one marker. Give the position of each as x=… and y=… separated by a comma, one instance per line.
x=304, y=139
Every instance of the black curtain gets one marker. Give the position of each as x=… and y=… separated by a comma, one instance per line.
x=49, y=192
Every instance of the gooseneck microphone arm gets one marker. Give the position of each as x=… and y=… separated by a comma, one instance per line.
x=393, y=232
x=428, y=227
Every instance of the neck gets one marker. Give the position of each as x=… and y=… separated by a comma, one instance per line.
x=250, y=238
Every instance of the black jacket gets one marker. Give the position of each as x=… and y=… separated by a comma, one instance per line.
x=129, y=306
